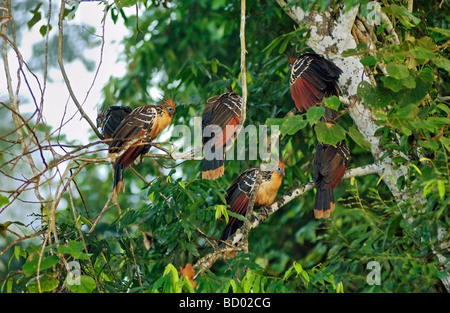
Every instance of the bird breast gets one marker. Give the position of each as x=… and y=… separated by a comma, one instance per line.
x=268, y=191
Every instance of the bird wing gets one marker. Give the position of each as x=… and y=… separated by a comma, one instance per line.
x=329, y=164
x=312, y=77
x=137, y=124
x=112, y=118
x=222, y=110
x=239, y=192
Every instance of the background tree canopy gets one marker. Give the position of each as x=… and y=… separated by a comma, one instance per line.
x=392, y=208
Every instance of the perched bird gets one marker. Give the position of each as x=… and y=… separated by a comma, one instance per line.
x=329, y=167
x=239, y=193
x=110, y=119
x=142, y=125
x=221, y=114
x=312, y=77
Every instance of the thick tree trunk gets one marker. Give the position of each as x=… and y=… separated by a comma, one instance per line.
x=331, y=34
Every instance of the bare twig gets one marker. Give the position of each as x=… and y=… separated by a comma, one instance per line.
x=64, y=74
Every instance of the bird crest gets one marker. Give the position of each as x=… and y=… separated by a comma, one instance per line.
x=169, y=102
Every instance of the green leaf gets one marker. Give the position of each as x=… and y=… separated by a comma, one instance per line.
x=369, y=61
x=314, y=114
x=284, y=45
x=427, y=43
x=332, y=102
x=329, y=135
x=298, y=268
x=398, y=71
x=429, y=144
x=442, y=31
x=358, y=138
x=36, y=16
x=415, y=95
x=445, y=142
x=46, y=282
x=375, y=97
x=3, y=200
x=4, y=226
x=30, y=266
x=43, y=29
x=272, y=45
x=403, y=15
x=392, y=83
x=125, y=3
x=422, y=53
x=409, y=82
x=221, y=209
x=214, y=65
x=74, y=248
x=238, y=216
x=426, y=74
x=441, y=188
x=86, y=285
x=442, y=62
x=274, y=121
x=399, y=160
x=247, y=281
x=292, y=124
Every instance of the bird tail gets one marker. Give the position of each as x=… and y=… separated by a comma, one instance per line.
x=324, y=203
x=230, y=229
x=118, y=179
x=213, y=169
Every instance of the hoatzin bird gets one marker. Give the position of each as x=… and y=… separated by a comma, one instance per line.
x=329, y=167
x=222, y=114
x=312, y=78
x=142, y=125
x=239, y=193
x=110, y=119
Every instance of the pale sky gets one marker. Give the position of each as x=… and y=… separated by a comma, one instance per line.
x=57, y=95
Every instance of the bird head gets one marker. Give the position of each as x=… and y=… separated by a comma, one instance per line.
x=100, y=117
x=169, y=105
x=291, y=61
x=280, y=168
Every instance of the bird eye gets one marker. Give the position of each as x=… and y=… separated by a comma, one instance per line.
x=280, y=170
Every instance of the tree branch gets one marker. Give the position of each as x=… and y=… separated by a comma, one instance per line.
x=64, y=74
x=234, y=243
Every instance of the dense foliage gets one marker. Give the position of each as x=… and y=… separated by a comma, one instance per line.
x=169, y=217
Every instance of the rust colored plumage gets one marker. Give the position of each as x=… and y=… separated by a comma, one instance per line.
x=220, y=119
x=134, y=133
x=239, y=193
x=329, y=167
x=312, y=77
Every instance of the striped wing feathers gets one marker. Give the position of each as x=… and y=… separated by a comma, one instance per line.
x=222, y=110
x=137, y=124
x=312, y=77
x=111, y=119
x=329, y=164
